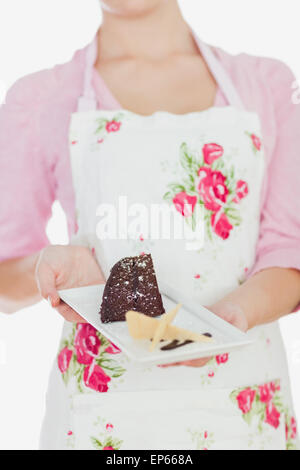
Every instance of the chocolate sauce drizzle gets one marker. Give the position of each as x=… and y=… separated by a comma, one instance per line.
x=177, y=344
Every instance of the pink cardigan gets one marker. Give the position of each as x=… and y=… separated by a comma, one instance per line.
x=35, y=167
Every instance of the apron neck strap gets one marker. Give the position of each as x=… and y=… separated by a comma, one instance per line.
x=219, y=73
x=88, y=100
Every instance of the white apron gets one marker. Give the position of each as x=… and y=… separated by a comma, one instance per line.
x=214, y=162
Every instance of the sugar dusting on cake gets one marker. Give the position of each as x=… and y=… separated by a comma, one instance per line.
x=132, y=285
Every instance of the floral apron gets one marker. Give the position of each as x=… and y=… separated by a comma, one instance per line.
x=209, y=163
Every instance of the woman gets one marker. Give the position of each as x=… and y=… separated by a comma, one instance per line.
x=146, y=59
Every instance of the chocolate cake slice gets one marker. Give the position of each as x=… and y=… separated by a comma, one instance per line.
x=132, y=285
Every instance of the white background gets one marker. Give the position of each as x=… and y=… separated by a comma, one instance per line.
x=37, y=34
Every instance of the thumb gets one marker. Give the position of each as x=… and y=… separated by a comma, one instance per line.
x=54, y=299
x=46, y=283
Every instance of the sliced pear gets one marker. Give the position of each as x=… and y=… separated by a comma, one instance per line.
x=165, y=320
x=141, y=326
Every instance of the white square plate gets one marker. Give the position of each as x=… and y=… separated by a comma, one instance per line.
x=87, y=300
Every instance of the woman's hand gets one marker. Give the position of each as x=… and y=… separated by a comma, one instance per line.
x=64, y=267
x=229, y=312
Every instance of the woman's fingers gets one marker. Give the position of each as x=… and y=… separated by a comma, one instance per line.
x=69, y=314
x=174, y=364
x=46, y=282
x=194, y=363
x=56, y=263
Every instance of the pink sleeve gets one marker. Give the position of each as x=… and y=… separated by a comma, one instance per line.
x=26, y=184
x=279, y=242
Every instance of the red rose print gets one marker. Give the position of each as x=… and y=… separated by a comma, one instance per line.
x=256, y=141
x=113, y=126
x=286, y=432
x=211, y=374
x=197, y=276
x=241, y=191
x=245, y=400
x=272, y=416
x=293, y=428
x=64, y=359
x=112, y=349
x=87, y=343
x=108, y=448
x=74, y=142
x=95, y=378
x=266, y=393
x=274, y=386
x=221, y=225
x=70, y=433
x=185, y=204
x=205, y=435
x=222, y=359
x=212, y=188
x=212, y=152
x=109, y=426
